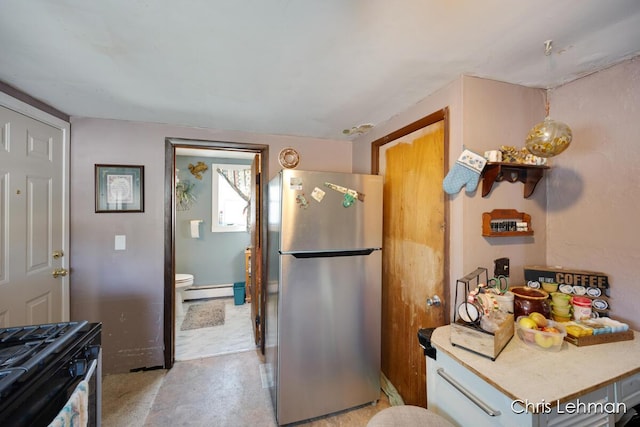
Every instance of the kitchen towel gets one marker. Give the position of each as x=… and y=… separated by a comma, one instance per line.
x=75, y=412
x=195, y=228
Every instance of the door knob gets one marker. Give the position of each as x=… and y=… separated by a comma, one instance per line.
x=57, y=254
x=59, y=272
x=434, y=301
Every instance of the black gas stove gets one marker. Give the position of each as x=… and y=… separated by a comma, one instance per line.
x=41, y=366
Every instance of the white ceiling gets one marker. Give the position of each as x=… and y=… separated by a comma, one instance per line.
x=295, y=67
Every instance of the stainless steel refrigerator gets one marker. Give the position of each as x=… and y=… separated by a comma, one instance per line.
x=322, y=345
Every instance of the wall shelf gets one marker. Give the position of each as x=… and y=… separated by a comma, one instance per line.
x=529, y=175
x=505, y=215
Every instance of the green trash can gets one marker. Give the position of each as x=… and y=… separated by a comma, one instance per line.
x=238, y=293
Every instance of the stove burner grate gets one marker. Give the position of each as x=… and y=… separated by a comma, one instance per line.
x=36, y=332
x=12, y=356
x=24, y=348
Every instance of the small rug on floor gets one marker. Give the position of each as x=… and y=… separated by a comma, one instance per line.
x=204, y=315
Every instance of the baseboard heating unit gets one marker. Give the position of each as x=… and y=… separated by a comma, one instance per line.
x=209, y=291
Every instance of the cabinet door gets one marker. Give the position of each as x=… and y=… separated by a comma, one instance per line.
x=593, y=409
x=465, y=399
x=628, y=392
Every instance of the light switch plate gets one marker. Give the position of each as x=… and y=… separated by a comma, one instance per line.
x=120, y=243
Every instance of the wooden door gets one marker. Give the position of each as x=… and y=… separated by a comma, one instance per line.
x=33, y=222
x=414, y=253
x=257, y=303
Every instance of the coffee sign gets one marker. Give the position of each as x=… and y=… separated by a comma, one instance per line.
x=561, y=276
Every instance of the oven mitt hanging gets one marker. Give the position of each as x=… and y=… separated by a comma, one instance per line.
x=466, y=171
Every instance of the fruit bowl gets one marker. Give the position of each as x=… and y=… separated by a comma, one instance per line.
x=544, y=340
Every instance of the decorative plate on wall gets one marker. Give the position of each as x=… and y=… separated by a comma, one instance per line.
x=289, y=158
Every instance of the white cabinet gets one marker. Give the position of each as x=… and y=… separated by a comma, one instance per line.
x=592, y=409
x=465, y=399
x=628, y=391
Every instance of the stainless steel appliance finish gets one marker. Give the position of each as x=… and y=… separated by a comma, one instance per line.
x=324, y=292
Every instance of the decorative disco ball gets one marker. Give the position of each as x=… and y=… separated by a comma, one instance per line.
x=548, y=138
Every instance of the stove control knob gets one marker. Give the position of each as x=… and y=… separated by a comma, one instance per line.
x=78, y=367
x=92, y=351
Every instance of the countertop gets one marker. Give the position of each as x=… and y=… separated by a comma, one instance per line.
x=525, y=373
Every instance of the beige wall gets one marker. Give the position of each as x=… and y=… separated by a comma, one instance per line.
x=590, y=198
x=125, y=289
x=450, y=96
x=497, y=114
x=594, y=187
x=484, y=114
x=583, y=211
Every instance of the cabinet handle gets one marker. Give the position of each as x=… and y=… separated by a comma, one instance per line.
x=486, y=408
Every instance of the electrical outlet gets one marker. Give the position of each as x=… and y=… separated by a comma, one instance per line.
x=501, y=267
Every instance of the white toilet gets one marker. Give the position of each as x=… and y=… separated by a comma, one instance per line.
x=181, y=283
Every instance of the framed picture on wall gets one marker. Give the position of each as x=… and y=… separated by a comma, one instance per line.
x=119, y=188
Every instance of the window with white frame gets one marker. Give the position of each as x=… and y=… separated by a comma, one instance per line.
x=231, y=193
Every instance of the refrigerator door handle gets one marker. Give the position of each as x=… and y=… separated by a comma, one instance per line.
x=328, y=254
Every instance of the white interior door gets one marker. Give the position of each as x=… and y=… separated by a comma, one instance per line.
x=33, y=221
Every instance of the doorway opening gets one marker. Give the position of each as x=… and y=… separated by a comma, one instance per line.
x=193, y=229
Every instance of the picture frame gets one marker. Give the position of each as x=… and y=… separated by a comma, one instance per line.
x=119, y=188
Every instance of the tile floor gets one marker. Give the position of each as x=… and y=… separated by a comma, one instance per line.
x=227, y=391
x=235, y=335
x=216, y=381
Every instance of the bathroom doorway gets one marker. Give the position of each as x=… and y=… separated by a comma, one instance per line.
x=194, y=231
